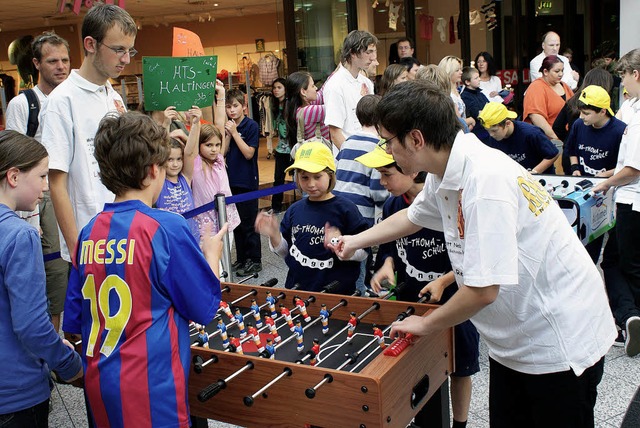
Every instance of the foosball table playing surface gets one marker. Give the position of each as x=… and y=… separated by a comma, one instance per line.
x=347, y=377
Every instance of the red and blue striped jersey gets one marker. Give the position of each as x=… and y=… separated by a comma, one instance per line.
x=138, y=277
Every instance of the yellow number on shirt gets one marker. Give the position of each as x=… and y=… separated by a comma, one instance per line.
x=115, y=323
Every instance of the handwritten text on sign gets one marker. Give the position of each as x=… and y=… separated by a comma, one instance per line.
x=179, y=81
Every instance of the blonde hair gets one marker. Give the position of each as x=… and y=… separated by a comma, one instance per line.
x=332, y=178
x=436, y=75
x=449, y=64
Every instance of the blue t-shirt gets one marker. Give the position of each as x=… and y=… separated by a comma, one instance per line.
x=243, y=172
x=178, y=198
x=595, y=148
x=474, y=101
x=310, y=263
x=138, y=277
x=418, y=258
x=527, y=145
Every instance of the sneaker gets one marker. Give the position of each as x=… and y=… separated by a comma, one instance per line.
x=622, y=335
x=632, y=344
x=236, y=265
x=249, y=268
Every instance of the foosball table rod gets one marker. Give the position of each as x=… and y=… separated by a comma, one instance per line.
x=248, y=400
x=221, y=384
x=199, y=363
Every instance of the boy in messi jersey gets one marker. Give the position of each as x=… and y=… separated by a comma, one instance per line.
x=138, y=277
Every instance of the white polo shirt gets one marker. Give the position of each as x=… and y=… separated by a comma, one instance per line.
x=567, y=76
x=69, y=124
x=629, y=153
x=341, y=95
x=502, y=227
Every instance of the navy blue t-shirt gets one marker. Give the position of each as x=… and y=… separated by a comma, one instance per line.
x=243, y=172
x=418, y=259
x=595, y=148
x=527, y=145
x=311, y=264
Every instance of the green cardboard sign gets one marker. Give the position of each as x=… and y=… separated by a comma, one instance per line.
x=179, y=81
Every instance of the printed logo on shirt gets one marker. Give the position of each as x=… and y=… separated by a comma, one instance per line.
x=460, y=216
x=308, y=261
x=119, y=106
x=533, y=192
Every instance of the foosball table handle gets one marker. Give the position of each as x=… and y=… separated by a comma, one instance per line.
x=399, y=345
x=211, y=390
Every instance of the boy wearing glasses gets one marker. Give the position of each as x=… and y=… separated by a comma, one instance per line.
x=522, y=142
x=524, y=277
x=72, y=114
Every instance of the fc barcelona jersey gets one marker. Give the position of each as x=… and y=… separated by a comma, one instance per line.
x=138, y=277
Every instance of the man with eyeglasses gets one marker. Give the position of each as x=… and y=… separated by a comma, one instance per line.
x=72, y=115
x=51, y=59
x=525, y=280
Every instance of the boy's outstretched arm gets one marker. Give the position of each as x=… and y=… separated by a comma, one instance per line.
x=191, y=148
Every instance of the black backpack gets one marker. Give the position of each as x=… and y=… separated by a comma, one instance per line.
x=34, y=110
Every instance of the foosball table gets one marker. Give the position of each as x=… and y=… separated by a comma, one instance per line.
x=289, y=358
x=590, y=215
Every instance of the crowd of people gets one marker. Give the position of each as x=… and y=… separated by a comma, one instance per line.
x=430, y=164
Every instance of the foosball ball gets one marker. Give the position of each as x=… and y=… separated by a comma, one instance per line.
x=290, y=358
x=590, y=215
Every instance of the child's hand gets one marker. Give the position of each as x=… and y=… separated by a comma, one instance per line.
x=194, y=114
x=220, y=90
x=212, y=245
x=179, y=135
x=231, y=127
x=266, y=224
x=385, y=273
x=170, y=114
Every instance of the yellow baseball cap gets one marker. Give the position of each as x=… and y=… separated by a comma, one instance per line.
x=376, y=158
x=494, y=113
x=313, y=157
x=597, y=96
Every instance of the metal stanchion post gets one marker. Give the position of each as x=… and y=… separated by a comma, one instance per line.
x=221, y=206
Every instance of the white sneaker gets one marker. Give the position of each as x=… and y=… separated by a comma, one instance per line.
x=632, y=344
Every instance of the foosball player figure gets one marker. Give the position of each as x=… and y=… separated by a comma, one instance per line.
x=240, y=319
x=271, y=302
x=235, y=345
x=351, y=327
x=287, y=316
x=223, y=333
x=225, y=308
x=302, y=308
x=324, y=315
x=203, y=337
x=270, y=349
x=272, y=328
x=256, y=313
x=299, y=332
x=253, y=332
x=379, y=335
x=315, y=350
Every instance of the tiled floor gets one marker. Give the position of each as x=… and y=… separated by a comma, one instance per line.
x=620, y=381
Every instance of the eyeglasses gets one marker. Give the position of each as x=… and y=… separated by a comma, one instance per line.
x=384, y=144
x=120, y=52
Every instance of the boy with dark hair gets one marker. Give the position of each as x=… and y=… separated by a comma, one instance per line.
x=138, y=277
x=416, y=260
x=504, y=237
x=521, y=141
x=241, y=143
x=474, y=99
x=412, y=65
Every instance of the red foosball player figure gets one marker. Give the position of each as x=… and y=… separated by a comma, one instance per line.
x=240, y=319
x=235, y=345
x=255, y=309
x=324, y=315
x=302, y=308
x=287, y=316
x=271, y=303
x=223, y=333
x=299, y=332
x=272, y=328
x=315, y=350
x=379, y=335
x=271, y=350
x=352, y=323
x=225, y=308
x=253, y=332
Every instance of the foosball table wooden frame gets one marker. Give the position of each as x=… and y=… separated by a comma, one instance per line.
x=387, y=392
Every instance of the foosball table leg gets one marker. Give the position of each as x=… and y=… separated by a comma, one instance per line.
x=437, y=408
x=197, y=422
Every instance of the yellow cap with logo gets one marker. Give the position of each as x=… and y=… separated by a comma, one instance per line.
x=313, y=157
x=494, y=113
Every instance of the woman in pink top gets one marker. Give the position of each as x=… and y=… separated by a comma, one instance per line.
x=303, y=96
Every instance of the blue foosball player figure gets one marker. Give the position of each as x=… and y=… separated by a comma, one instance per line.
x=324, y=314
